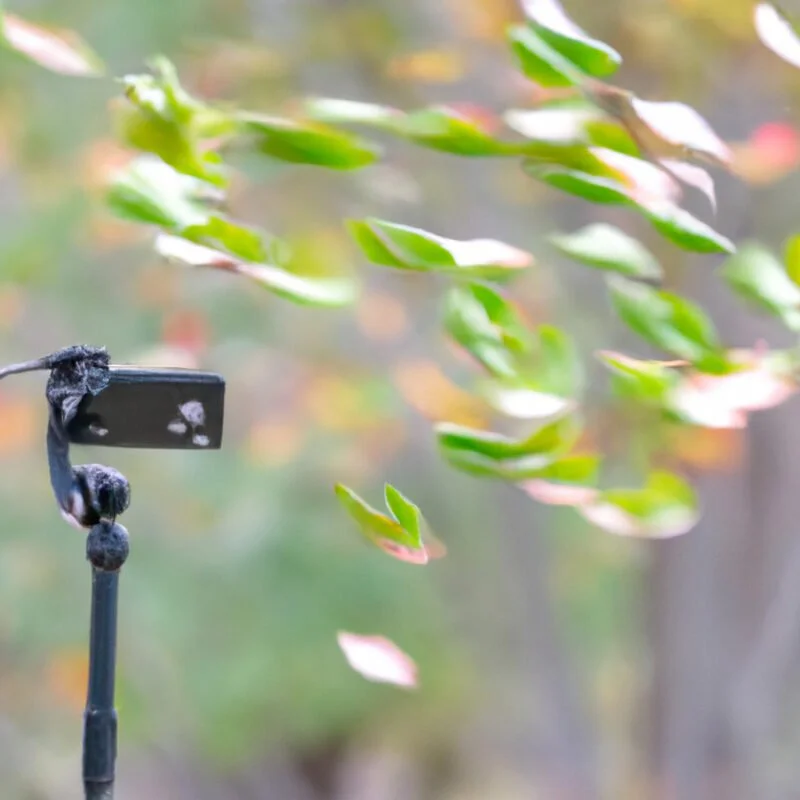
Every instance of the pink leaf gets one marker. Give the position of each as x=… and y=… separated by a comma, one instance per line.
x=666, y=524
x=402, y=553
x=723, y=401
x=693, y=175
x=647, y=182
x=377, y=659
x=776, y=33
x=681, y=125
x=59, y=52
x=559, y=494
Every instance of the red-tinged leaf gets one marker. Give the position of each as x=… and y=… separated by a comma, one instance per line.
x=559, y=494
x=724, y=401
x=777, y=33
x=612, y=518
x=58, y=51
x=378, y=659
x=693, y=176
x=680, y=125
x=645, y=181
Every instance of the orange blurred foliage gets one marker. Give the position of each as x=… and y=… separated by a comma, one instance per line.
x=67, y=676
x=425, y=387
x=381, y=317
x=485, y=20
x=186, y=329
x=158, y=286
x=429, y=66
x=19, y=424
x=709, y=449
x=13, y=301
x=100, y=159
x=275, y=442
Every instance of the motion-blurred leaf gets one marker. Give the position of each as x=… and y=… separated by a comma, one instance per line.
x=756, y=274
x=151, y=192
x=308, y=143
x=684, y=230
x=404, y=247
x=669, y=322
x=377, y=659
x=665, y=507
x=400, y=535
x=160, y=117
x=541, y=62
x=608, y=248
x=551, y=23
x=487, y=454
x=777, y=33
x=645, y=381
x=485, y=324
x=58, y=51
x=792, y=258
x=594, y=188
x=301, y=289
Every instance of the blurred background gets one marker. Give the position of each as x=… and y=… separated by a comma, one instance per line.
x=555, y=661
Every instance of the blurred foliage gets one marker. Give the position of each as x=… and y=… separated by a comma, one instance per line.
x=229, y=645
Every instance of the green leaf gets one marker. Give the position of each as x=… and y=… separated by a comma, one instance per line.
x=547, y=441
x=57, y=51
x=390, y=535
x=594, y=188
x=308, y=143
x=404, y=511
x=792, y=258
x=451, y=132
x=669, y=322
x=608, y=248
x=645, y=381
x=666, y=506
x=404, y=247
x=151, y=192
x=301, y=289
x=540, y=62
x=594, y=57
x=686, y=231
x=758, y=276
x=342, y=112
x=485, y=324
x=160, y=117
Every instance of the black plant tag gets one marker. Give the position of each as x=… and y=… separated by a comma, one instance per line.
x=166, y=409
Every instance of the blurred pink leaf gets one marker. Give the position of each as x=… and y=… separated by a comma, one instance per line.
x=692, y=175
x=777, y=33
x=723, y=401
x=665, y=525
x=61, y=52
x=378, y=659
x=680, y=125
x=646, y=182
x=559, y=494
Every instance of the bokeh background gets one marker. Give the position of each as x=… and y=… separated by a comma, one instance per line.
x=555, y=661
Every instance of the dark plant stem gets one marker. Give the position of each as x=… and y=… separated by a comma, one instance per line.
x=100, y=718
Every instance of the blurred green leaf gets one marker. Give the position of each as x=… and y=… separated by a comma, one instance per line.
x=666, y=506
x=757, y=275
x=151, y=192
x=686, y=231
x=307, y=143
x=594, y=188
x=792, y=258
x=488, y=454
x=160, y=117
x=485, y=324
x=541, y=62
x=608, y=248
x=399, y=535
x=404, y=247
x=546, y=379
x=646, y=381
x=59, y=51
x=301, y=289
x=669, y=322
x=594, y=57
